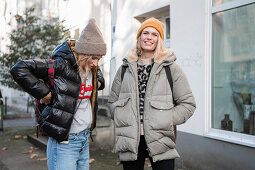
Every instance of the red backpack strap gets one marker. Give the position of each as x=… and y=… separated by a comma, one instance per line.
x=51, y=72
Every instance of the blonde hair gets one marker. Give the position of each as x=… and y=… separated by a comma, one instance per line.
x=82, y=63
x=159, y=48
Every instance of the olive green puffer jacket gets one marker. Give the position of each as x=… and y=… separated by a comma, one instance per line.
x=160, y=115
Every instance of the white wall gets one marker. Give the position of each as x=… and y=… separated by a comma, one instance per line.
x=189, y=33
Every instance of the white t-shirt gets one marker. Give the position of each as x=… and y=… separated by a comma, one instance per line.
x=83, y=116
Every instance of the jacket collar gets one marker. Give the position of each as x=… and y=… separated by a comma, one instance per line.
x=64, y=51
x=166, y=56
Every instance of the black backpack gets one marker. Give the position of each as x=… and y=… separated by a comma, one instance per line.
x=40, y=107
x=170, y=80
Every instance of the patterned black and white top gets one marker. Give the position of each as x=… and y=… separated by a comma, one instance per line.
x=144, y=67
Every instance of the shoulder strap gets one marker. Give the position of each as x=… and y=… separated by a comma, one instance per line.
x=170, y=80
x=123, y=70
x=51, y=72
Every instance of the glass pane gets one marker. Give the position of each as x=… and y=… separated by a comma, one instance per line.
x=219, y=2
x=233, y=57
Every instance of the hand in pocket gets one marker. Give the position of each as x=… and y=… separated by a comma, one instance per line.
x=46, y=100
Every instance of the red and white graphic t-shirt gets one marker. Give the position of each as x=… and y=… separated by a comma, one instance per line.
x=83, y=116
x=88, y=91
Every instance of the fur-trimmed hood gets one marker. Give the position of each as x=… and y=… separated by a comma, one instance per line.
x=165, y=56
x=158, y=105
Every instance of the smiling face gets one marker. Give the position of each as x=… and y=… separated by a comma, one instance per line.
x=149, y=39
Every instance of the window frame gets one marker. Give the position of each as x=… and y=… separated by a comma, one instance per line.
x=218, y=134
x=167, y=41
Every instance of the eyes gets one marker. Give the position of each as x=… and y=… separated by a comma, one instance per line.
x=154, y=34
x=96, y=57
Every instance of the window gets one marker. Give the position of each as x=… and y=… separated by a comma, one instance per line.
x=166, y=21
x=167, y=28
x=233, y=69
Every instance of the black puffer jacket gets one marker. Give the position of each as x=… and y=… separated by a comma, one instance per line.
x=57, y=117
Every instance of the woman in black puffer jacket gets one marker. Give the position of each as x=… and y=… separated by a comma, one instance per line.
x=70, y=115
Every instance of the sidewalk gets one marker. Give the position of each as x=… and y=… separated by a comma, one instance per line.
x=18, y=152
x=19, y=122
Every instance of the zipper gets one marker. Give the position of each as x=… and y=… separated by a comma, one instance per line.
x=151, y=79
x=137, y=106
x=78, y=92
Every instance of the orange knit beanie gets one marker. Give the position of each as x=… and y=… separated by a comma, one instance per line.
x=152, y=22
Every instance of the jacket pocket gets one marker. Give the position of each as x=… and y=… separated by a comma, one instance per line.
x=123, y=114
x=160, y=117
x=121, y=103
x=161, y=105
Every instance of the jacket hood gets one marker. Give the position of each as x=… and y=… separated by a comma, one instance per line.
x=64, y=51
x=166, y=56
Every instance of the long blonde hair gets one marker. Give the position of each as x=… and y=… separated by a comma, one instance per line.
x=159, y=48
x=82, y=63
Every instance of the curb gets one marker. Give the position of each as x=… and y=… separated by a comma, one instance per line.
x=40, y=142
x=17, y=116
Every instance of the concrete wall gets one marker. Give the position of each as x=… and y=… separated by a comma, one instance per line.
x=200, y=153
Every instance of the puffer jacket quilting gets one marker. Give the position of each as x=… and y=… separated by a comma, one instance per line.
x=57, y=117
x=159, y=112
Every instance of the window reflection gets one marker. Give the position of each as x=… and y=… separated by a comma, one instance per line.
x=219, y=2
x=233, y=54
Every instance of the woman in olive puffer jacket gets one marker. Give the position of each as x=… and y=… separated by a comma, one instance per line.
x=146, y=108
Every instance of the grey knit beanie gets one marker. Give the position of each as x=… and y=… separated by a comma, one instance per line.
x=91, y=41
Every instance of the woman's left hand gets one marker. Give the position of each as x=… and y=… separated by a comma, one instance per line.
x=98, y=84
x=46, y=100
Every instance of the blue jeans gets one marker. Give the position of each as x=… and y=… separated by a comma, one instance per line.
x=71, y=156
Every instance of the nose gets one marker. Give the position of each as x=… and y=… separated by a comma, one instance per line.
x=94, y=62
x=149, y=36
